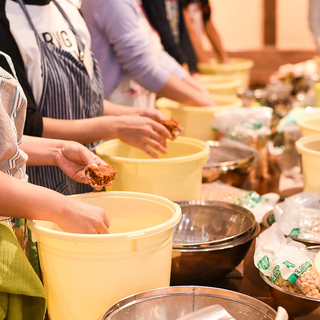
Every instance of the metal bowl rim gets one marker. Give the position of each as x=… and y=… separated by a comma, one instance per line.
x=204, y=202
x=232, y=164
x=191, y=290
x=229, y=245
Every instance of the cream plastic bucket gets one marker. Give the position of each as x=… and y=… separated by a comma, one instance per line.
x=309, y=148
x=316, y=90
x=221, y=84
x=176, y=175
x=309, y=124
x=239, y=67
x=196, y=121
x=85, y=274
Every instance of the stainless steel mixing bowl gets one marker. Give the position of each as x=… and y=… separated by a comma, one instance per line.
x=171, y=303
x=210, y=241
x=296, y=305
x=228, y=161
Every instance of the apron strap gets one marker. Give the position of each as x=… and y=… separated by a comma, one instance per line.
x=79, y=42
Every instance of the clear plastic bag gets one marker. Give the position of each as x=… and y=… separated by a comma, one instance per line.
x=299, y=216
x=215, y=312
x=287, y=263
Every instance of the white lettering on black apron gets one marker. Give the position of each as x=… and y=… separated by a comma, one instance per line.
x=68, y=93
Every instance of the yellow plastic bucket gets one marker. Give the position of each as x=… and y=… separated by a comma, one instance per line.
x=316, y=90
x=309, y=148
x=309, y=124
x=196, y=121
x=221, y=84
x=239, y=67
x=85, y=274
x=175, y=175
x=317, y=61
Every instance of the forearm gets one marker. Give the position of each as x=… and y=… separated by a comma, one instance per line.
x=81, y=130
x=216, y=41
x=25, y=200
x=41, y=151
x=201, y=54
x=112, y=109
x=183, y=92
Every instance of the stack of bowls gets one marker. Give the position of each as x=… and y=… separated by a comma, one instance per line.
x=210, y=241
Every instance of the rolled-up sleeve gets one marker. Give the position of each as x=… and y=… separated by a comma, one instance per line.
x=171, y=65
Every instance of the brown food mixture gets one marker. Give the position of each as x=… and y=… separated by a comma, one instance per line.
x=100, y=176
x=172, y=125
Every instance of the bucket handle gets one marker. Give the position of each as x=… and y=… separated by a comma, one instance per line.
x=140, y=233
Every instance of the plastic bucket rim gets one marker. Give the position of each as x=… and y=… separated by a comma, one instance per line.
x=236, y=64
x=234, y=102
x=124, y=236
x=223, y=85
x=202, y=154
x=218, y=77
x=310, y=138
x=302, y=122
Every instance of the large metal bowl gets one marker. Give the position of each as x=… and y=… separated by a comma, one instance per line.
x=296, y=305
x=210, y=241
x=205, y=223
x=228, y=161
x=172, y=303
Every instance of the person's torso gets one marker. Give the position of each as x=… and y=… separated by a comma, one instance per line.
x=54, y=29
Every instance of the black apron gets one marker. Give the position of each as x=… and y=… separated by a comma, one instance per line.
x=68, y=93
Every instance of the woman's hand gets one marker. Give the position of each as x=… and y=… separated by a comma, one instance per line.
x=151, y=113
x=143, y=133
x=81, y=217
x=72, y=158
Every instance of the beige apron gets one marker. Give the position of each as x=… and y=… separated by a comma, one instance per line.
x=129, y=92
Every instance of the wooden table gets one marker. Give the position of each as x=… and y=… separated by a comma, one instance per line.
x=251, y=283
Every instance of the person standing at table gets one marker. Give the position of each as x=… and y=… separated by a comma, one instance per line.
x=20, y=199
x=198, y=18
x=49, y=44
x=135, y=67
x=167, y=18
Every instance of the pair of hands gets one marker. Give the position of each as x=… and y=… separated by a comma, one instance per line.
x=142, y=130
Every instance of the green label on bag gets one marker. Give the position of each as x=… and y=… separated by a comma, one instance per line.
x=294, y=232
x=299, y=271
x=275, y=274
x=264, y=263
x=288, y=264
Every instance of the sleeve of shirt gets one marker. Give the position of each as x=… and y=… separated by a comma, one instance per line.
x=156, y=12
x=171, y=65
x=118, y=20
x=33, y=124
